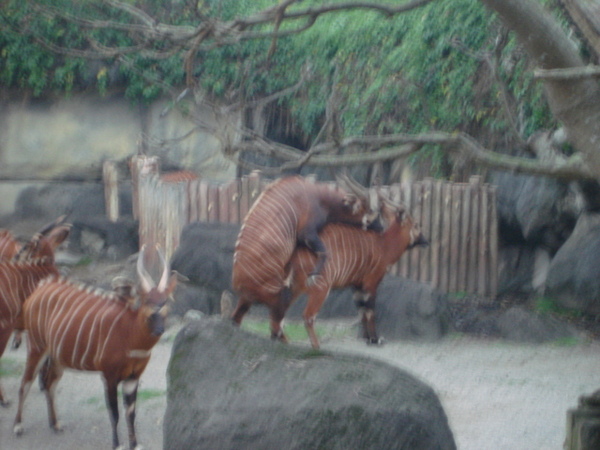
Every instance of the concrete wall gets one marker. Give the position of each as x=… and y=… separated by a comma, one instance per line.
x=41, y=139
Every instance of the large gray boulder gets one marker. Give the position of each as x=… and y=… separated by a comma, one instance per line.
x=205, y=255
x=536, y=210
x=574, y=275
x=229, y=389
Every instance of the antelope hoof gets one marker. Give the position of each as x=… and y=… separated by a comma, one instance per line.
x=18, y=429
x=4, y=403
x=375, y=341
x=57, y=428
x=16, y=343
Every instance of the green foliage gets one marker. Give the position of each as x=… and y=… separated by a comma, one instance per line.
x=10, y=367
x=545, y=305
x=414, y=72
x=295, y=330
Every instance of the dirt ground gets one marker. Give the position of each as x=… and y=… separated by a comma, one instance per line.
x=497, y=395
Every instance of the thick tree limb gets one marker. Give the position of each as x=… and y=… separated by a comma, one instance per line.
x=586, y=14
x=574, y=102
x=401, y=145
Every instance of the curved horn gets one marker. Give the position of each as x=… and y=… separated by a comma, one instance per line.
x=390, y=203
x=164, y=279
x=352, y=185
x=145, y=279
x=46, y=228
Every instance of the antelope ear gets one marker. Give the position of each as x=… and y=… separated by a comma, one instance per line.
x=58, y=235
x=352, y=202
x=172, y=283
x=401, y=215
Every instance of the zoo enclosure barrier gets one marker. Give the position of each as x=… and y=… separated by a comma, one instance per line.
x=458, y=219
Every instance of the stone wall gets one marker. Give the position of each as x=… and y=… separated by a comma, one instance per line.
x=71, y=137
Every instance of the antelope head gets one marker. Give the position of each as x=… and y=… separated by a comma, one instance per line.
x=44, y=242
x=397, y=212
x=154, y=298
x=360, y=198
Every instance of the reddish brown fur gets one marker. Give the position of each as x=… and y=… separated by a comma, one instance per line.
x=291, y=211
x=9, y=246
x=72, y=327
x=19, y=279
x=178, y=176
x=358, y=259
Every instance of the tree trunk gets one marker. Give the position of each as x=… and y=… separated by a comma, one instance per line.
x=576, y=102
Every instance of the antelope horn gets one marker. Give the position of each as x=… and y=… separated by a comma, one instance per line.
x=352, y=185
x=392, y=204
x=46, y=228
x=164, y=279
x=145, y=278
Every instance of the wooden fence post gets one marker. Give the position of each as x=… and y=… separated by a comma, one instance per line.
x=110, y=177
x=140, y=166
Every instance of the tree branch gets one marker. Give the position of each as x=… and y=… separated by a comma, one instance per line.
x=396, y=146
x=570, y=73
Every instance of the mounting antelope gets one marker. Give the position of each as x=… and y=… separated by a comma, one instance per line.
x=20, y=276
x=71, y=326
x=290, y=212
x=359, y=259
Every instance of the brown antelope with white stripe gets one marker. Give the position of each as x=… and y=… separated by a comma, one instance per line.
x=20, y=276
x=290, y=212
x=9, y=246
x=71, y=326
x=357, y=258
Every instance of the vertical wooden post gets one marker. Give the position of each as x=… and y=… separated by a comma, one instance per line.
x=446, y=236
x=406, y=191
x=213, y=203
x=493, y=243
x=473, y=220
x=435, y=236
x=457, y=256
x=483, y=266
x=416, y=210
x=110, y=177
x=255, y=187
x=141, y=166
x=426, y=211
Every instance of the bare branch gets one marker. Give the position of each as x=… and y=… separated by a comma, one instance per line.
x=569, y=73
x=396, y=146
x=219, y=33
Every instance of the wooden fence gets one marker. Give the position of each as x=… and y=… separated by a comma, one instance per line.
x=458, y=219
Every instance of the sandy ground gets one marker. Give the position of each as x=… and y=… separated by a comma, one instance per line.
x=497, y=395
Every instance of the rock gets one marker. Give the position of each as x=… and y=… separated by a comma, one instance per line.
x=205, y=255
x=98, y=237
x=574, y=276
x=536, y=210
x=518, y=324
x=231, y=389
x=405, y=309
x=79, y=201
x=191, y=297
